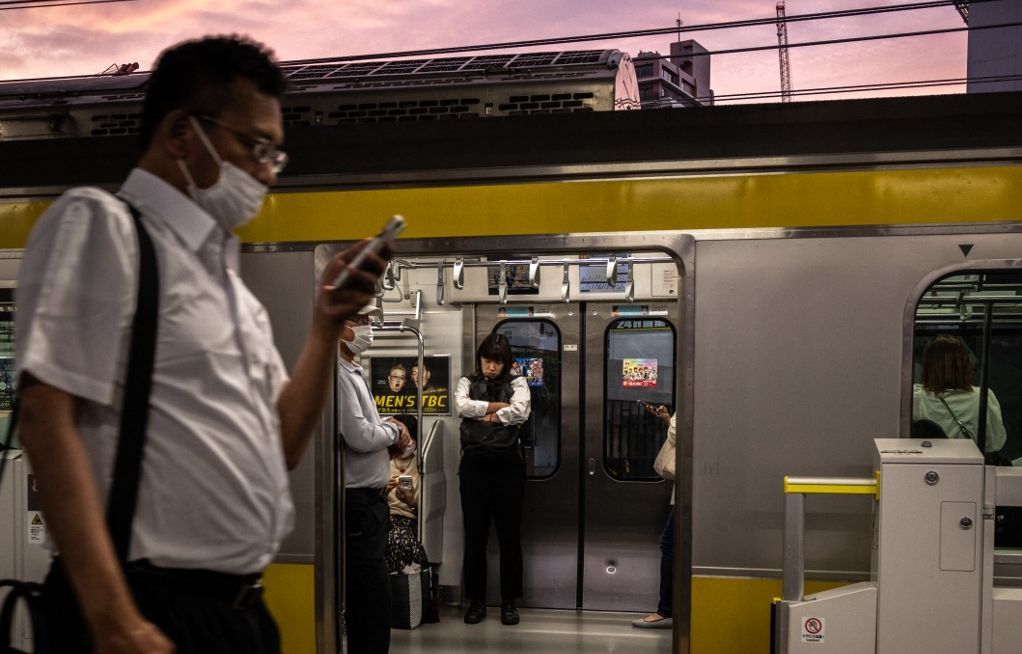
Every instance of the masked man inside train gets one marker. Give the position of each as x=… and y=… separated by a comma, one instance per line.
x=366, y=484
x=225, y=420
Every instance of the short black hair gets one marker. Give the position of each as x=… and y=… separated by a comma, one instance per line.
x=196, y=76
x=495, y=347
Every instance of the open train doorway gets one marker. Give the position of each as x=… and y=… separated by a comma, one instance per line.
x=592, y=334
x=594, y=508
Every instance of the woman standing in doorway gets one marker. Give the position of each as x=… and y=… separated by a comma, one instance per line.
x=492, y=406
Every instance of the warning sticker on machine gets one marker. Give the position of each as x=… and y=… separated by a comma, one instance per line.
x=36, y=528
x=812, y=630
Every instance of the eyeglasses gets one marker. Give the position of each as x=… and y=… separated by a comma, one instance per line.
x=357, y=321
x=261, y=149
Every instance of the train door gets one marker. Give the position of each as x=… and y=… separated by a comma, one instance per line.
x=594, y=508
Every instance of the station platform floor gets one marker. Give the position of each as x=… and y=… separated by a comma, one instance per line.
x=541, y=631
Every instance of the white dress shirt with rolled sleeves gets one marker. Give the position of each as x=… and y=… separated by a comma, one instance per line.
x=516, y=414
x=366, y=435
x=214, y=489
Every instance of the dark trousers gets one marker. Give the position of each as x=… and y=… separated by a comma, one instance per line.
x=665, y=607
x=492, y=488
x=367, y=587
x=179, y=604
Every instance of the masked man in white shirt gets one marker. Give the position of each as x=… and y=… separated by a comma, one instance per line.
x=366, y=476
x=225, y=422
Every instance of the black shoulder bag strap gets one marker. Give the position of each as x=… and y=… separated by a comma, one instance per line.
x=138, y=382
x=961, y=425
x=123, y=495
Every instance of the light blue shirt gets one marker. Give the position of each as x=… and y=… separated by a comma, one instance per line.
x=366, y=436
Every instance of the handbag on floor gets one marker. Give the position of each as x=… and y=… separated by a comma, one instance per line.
x=410, y=599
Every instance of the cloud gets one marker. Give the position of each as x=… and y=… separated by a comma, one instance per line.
x=86, y=39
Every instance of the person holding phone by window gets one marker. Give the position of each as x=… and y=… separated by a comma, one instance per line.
x=662, y=617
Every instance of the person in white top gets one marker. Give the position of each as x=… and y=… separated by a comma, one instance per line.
x=946, y=396
x=492, y=406
x=225, y=420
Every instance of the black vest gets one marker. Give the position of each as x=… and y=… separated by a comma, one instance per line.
x=478, y=437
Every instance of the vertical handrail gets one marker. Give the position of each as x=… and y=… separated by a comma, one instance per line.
x=984, y=377
x=402, y=328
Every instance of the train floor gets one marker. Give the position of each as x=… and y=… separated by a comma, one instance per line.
x=541, y=631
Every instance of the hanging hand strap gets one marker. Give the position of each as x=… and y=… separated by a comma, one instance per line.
x=123, y=495
x=961, y=425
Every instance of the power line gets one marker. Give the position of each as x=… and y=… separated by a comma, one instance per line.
x=850, y=39
x=11, y=5
x=853, y=88
x=752, y=22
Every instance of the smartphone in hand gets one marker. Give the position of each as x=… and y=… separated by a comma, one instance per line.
x=389, y=232
x=404, y=481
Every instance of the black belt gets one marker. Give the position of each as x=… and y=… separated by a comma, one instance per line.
x=237, y=591
x=370, y=492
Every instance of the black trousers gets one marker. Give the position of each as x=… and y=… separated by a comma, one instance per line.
x=367, y=586
x=194, y=620
x=492, y=488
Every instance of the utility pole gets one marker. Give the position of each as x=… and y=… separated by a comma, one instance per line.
x=782, y=52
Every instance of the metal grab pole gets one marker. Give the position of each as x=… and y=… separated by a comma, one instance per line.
x=984, y=374
x=418, y=404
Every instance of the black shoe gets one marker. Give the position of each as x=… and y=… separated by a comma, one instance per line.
x=476, y=613
x=508, y=613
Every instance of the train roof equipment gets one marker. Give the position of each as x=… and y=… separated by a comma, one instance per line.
x=434, y=89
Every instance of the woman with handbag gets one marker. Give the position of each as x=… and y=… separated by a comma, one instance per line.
x=492, y=406
x=946, y=396
x=664, y=466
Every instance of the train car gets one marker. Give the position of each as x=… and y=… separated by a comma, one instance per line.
x=767, y=272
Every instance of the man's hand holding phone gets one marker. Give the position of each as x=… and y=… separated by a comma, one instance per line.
x=349, y=281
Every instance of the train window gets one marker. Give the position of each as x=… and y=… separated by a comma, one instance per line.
x=536, y=348
x=968, y=333
x=967, y=355
x=639, y=367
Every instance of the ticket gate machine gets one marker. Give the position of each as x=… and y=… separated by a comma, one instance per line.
x=932, y=572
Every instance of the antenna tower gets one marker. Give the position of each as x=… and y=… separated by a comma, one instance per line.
x=782, y=52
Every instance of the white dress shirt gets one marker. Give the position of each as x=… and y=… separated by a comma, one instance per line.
x=516, y=414
x=367, y=437
x=214, y=489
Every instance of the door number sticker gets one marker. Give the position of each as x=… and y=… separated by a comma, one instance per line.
x=812, y=630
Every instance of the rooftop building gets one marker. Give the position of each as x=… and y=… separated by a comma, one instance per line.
x=680, y=80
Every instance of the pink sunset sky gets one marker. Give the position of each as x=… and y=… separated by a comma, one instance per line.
x=73, y=40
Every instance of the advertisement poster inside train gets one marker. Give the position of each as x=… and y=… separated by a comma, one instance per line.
x=395, y=380
x=638, y=373
x=529, y=367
